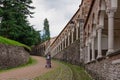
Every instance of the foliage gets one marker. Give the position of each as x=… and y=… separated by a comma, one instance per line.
x=1, y=12
x=46, y=31
x=12, y=42
x=15, y=24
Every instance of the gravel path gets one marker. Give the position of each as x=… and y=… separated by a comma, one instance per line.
x=27, y=73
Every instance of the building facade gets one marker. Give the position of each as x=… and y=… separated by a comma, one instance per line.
x=42, y=49
x=91, y=39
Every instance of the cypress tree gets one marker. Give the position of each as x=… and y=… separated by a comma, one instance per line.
x=46, y=34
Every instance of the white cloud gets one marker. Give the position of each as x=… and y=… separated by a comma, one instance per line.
x=58, y=12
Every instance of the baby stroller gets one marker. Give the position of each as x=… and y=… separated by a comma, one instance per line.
x=48, y=62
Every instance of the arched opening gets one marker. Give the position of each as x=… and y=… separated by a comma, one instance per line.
x=78, y=32
x=74, y=34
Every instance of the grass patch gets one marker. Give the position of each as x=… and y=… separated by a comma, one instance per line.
x=61, y=72
x=29, y=63
x=12, y=42
x=79, y=73
x=65, y=71
x=51, y=75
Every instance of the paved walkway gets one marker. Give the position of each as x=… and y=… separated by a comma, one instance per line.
x=28, y=72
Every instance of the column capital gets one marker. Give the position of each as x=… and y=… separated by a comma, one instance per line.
x=99, y=27
x=68, y=33
x=111, y=12
x=72, y=30
x=93, y=35
x=62, y=40
x=65, y=37
x=77, y=26
x=88, y=42
x=77, y=19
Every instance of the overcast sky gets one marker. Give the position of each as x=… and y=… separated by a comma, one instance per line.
x=58, y=13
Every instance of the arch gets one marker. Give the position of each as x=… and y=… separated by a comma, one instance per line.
x=93, y=19
x=93, y=22
x=101, y=12
x=88, y=30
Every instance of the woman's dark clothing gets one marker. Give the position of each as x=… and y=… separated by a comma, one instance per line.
x=48, y=61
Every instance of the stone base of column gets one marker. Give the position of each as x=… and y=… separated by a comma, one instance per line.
x=99, y=56
x=93, y=59
x=110, y=52
x=87, y=62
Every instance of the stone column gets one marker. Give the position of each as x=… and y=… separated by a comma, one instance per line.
x=110, y=13
x=65, y=42
x=93, y=49
x=77, y=33
x=88, y=52
x=72, y=36
x=62, y=44
x=59, y=48
x=99, y=41
x=68, y=39
x=56, y=50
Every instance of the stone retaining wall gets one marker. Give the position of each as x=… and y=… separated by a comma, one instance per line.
x=70, y=54
x=105, y=69
x=12, y=56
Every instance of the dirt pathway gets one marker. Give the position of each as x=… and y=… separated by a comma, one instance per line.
x=27, y=73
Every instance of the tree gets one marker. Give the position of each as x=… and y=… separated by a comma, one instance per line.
x=15, y=24
x=46, y=31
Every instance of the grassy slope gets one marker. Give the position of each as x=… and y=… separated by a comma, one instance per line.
x=79, y=73
x=65, y=71
x=12, y=42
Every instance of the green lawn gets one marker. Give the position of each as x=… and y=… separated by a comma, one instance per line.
x=65, y=71
x=12, y=42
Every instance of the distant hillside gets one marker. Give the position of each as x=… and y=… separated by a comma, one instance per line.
x=12, y=42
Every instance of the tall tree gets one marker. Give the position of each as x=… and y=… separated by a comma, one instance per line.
x=46, y=31
x=15, y=24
